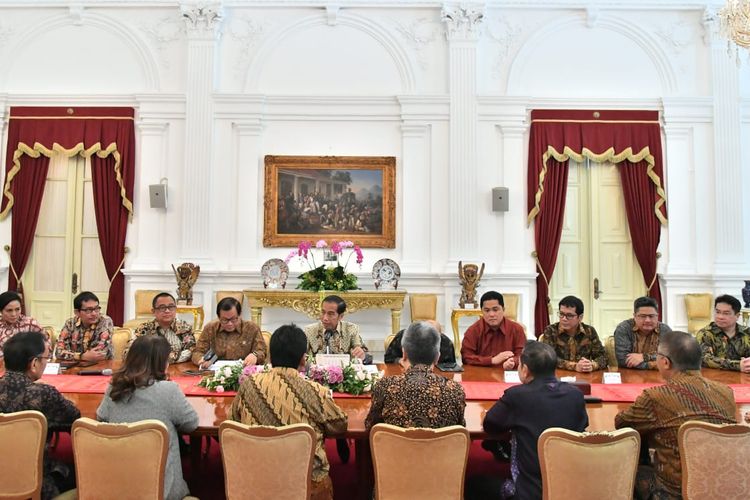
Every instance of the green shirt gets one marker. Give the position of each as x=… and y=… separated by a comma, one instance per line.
x=720, y=351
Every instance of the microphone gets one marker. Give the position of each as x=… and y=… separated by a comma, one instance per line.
x=327, y=337
x=106, y=371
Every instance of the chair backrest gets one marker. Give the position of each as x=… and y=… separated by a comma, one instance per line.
x=143, y=299
x=422, y=306
x=100, y=450
x=706, y=449
x=235, y=294
x=607, y=460
x=699, y=309
x=511, y=301
x=51, y=333
x=22, y=435
x=609, y=348
x=419, y=463
x=266, y=337
x=271, y=450
x=120, y=338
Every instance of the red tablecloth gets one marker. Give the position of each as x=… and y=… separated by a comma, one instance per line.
x=475, y=391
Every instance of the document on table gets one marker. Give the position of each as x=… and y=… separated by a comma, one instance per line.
x=224, y=362
x=511, y=377
x=52, y=369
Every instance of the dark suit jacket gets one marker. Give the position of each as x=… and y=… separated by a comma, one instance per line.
x=447, y=352
x=527, y=410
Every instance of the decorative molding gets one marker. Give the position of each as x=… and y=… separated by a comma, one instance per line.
x=76, y=13
x=593, y=14
x=332, y=14
x=462, y=22
x=203, y=20
x=711, y=26
x=420, y=34
x=506, y=37
x=163, y=34
x=247, y=32
x=677, y=35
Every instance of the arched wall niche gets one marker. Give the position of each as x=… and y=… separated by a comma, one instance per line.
x=355, y=56
x=100, y=52
x=581, y=60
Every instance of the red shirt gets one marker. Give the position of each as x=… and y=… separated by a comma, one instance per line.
x=481, y=343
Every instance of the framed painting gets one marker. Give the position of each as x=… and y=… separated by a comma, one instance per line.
x=330, y=197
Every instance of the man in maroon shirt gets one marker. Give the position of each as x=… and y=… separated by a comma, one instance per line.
x=493, y=340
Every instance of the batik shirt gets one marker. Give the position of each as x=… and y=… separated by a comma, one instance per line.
x=629, y=340
x=417, y=398
x=237, y=344
x=570, y=349
x=75, y=339
x=344, y=339
x=179, y=334
x=18, y=393
x=282, y=397
x=719, y=351
x=24, y=324
x=659, y=412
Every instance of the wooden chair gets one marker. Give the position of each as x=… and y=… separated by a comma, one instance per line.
x=143, y=299
x=120, y=339
x=100, y=449
x=419, y=463
x=609, y=347
x=699, y=309
x=588, y=465
x=266, y=338
x=235, y=294
x=711, y=453
x=271, y=450
x=22, y=435
x=422, y=306
x=511, y=305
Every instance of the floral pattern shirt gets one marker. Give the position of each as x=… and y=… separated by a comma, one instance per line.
x=179, y=334
x=570, y=349
x=344, y=339
x=24, y=324
x=720, y=351
x=75, y=339
x=417, y=398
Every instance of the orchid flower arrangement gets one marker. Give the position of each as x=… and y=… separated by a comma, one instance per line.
x=352, y=378
x=330, y=274
x=230, y=377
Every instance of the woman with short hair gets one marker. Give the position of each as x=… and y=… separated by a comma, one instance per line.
x=13, y=321
x=139, y=391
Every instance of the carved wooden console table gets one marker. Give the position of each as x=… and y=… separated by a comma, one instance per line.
x=309, y=302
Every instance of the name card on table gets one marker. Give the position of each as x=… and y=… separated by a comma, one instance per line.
x=612, y=378
x=52, y=369
x=511, y=377
x=332, y=359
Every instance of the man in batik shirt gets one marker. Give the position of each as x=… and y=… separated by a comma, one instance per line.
x=659, y=412
x=636, y=339
x=418, y=397
x=179, y=333
x=726, y=343
x=87, y=336
x=576, y=344
x=333, y=335
x=26, y=355
x=281, y=397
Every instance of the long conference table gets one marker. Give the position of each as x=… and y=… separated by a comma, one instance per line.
x=213, y=409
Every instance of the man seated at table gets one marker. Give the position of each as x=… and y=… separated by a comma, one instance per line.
x=541, y=402
x=394, y=353
x=332, y=335
x=281, y=397
x=725, y=342
x=576, y=344
x=418, y=397
x=87, y=336
x=26, y=355
x=659, y=412
x=493, y=340
x=636, y=339
x=179, y=333
x=230, y=337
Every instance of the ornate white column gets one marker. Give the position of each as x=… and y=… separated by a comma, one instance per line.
x=415, y=173
x=202, y=22
x=729, y=218
x=462, y=29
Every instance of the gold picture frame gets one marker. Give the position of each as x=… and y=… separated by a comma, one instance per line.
x=330, y=197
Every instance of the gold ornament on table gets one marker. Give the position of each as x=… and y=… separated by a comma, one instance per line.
x=186, y=274
x=469, y=276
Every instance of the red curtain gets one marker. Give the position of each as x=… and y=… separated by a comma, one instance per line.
x=629, y=138
x=107, y=135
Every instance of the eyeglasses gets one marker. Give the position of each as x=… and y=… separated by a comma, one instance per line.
x=567, y=315
x=646, y=316
x=226, y=321
x=41, y=357
x=166, y=308
x=89, y=310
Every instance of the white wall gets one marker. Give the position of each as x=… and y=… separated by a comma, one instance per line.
x=374, y=78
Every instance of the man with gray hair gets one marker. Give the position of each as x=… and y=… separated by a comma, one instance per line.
x=659, y=412
x=418, y=397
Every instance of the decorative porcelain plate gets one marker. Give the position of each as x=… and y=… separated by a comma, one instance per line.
x=386, y=273
x=275, y=273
